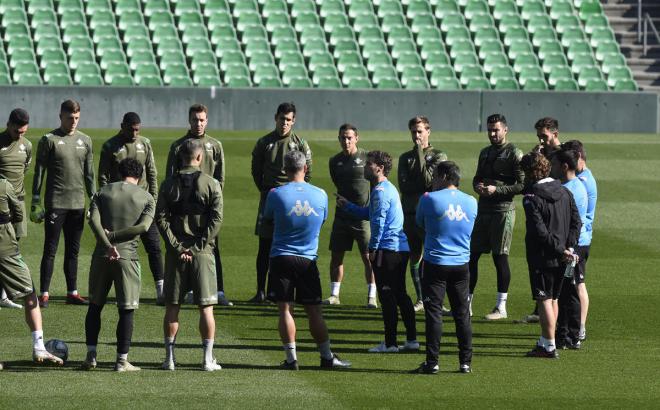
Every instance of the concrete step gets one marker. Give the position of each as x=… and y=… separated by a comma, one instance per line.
x=636, y=51
x=650, y=88
x=630, y=38
x=629, y=24
x=630, y=10
x=648, y=65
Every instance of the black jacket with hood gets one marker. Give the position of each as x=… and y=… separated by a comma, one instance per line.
x=553, y=223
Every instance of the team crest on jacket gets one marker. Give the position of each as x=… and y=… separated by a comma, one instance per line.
x=21, y=147
x=358, y=161
x=429, y=157
x=139, y=146
x=292, y=145
x=208, y=145
x=79, y=142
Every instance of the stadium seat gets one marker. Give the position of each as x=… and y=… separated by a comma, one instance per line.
x=625, y=85
x=535, y=84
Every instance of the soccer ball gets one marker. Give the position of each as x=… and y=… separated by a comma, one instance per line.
x=58, y=348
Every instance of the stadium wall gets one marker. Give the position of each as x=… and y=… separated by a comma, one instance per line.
x=253, y=109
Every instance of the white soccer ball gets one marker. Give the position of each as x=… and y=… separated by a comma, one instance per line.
x=58, y=348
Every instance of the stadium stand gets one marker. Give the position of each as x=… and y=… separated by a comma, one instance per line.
x=392, y=44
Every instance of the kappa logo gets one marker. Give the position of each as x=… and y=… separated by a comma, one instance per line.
x=302, y=209
x=541, y=293
x=455, y=214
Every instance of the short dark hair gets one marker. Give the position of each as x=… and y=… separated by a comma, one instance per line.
x=548, y=123
x=535, y=164
x=190, y=148
x=130, y=167
x=568, y=157
x=131, y=118
x=196, y=108
x=382, y=159
x=492, y=119
x=419, y=119
x=348, y=127
x=577, y=146
x=19, y=116
x=285, y=108
x=70, y=107
x=449, y=171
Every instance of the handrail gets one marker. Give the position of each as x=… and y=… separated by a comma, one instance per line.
x=639, y=21
x=648, y=22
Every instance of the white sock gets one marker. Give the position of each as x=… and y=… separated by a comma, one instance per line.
x=159, y=286
x=372, y=290
x=169, y=348
x=324, y=349
x=38, y=340
x=470, y=298
x=122, y=356
x=44, y=293
x=207, y=344
x=91, y=348
x=334, y=288
x=3, y=294
x=501, y=301
x=543, y=342
x=290, y=350
x=583, y=328
x=73, y=292
x=550, y=345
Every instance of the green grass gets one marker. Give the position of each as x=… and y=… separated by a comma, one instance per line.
x=617, y=367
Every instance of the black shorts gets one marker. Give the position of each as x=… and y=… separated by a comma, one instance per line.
x=546, y=283
x=293, y=278
x=581, y=267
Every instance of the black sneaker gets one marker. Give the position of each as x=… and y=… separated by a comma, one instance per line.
x=335, y=363
x=260, y=297
x=289, y=365
x=539, y=351
x=570, y=345
x=427, y=368
x=465, y=368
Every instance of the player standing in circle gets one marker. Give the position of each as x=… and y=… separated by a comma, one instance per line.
x=497, y=180
x=347, y=173
x=128, y=143
x=189, y=215
x=415, y=174
x=388, y=251
x=297, y=211
x=15, y=158
x=213, y=165
x=64, y=157
x=447, y=217
x=268, y=172
x=119, y=213
x=15, y=275
x=552, y=230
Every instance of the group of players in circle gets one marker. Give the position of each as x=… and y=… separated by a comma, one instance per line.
x=438, y=230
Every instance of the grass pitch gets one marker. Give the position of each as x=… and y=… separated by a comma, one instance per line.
x=617, y=367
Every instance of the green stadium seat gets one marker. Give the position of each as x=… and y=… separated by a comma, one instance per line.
x=320, y=59
x=515, y=34
x=341, y=33
x=474, y=8
x=14, y=16
x=590, y=8
x=532, y=8
x=388, y=84
x=596, y=85
x=29, y=79
x=82, y=57
x=300, y=82
x=544, y=35
x=182, y=8
x=539, y=21
x=313, y=47
x=179, y=81
x=571, y=36
x=510, y=21
x=25, y=68
x=150, y=6
x=560, y=9
x=147, y=56
x=446, y=84
x=520, y=48
x=146, y=69
x=149, y=81
x=391, y=21
x=305, y=20
x=612, y=60
x=524, y=61
x=437, y=58
x=582, y=60
x=194, y=34
x=49, y=43
x=490, y=47
x=302, y=6
x=566, y=84
x=535, y=84
x=506, y=84
x=264, y=72
x=554, y=60
x=358, y=83
x=100, y=18
x=328, y=82
x=4, y=79
x=53, y=55
x=190, y=19
x=559, y=73
x=445, y=8
x=389, y=7
x=275, y=21
x=58, y=79
x=481, y=21
x=256, y=60
x=44, y=17
x=127, y=6
x=331, y=7
x=212, y=6
x=208, y=81
x=476, y=84
x=218, y=20
x=530, y=73
x=606, y=48
x=364, y=21
x=369, y=34
x=601, y=35
x=32, y=6
x=397, y=34
x=269, y=82
x=90, y=80
x=451, y=21
x=596, y=22
x=549, y=48
x=578, y=48
x=617, y=74
x=293, y=72
x=625, y=85
x=173, y=57
x=157, y=19
x=47, y=31
x=324, y=71
x=493, y=61
x=238, y=82
x=504, y=8
x=416, y=83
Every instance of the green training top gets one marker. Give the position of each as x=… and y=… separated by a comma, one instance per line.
x=189, y=218
x=347, y=173
x=499, y=165
x=119, y=148
x=126, y=211
x=415, y=174
x=11, y=211
x=15, y=157
x=68, y=163
x=213, y=163
x=268, y=159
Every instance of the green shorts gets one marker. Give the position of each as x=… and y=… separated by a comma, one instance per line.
x=198, y=276
x=126, y=276
x=20, y=228
x=345, y=231
x=414, y=233
x=493, y=231
x=15, y=277
x=263, y=229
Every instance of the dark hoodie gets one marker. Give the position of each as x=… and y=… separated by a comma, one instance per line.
x=553, y=223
